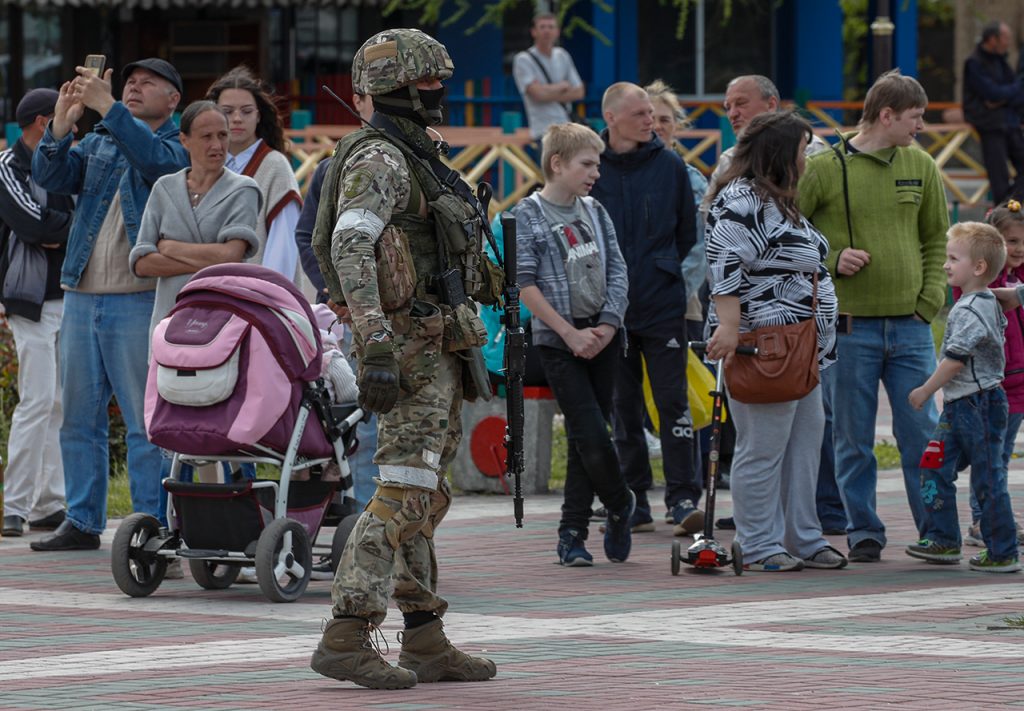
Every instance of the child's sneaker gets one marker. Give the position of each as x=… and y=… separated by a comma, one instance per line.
x=973, y=537
x=571, y=550
x=617, y=536
x=933, y=552
x=987, y=565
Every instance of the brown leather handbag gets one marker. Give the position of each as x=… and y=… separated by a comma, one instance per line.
x=786, y=365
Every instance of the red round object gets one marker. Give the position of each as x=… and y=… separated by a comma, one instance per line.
x=487, y=446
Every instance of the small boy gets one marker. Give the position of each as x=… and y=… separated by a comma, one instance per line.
x=973, y=422
x=573, y=279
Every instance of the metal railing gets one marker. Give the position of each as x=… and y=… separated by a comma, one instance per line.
x=509, y=161
x=511, y=167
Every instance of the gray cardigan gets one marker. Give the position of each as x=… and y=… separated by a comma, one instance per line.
x=228, y=211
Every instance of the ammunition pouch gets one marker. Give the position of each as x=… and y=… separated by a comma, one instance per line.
x=463, y=328
x=396, y=273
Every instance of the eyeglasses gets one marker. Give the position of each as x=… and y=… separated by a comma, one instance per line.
x=243, y=111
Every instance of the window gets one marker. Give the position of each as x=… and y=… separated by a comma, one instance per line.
x=42, y=49
x=326, y=39
x=712, y=51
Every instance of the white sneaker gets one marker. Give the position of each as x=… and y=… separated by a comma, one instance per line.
x=247, y=576
x=653, y=445
x=174, y=570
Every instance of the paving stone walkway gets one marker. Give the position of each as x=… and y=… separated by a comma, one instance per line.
x=614, y=636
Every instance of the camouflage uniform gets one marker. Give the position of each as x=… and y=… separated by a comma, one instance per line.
x=418, y=438
x=378, y=197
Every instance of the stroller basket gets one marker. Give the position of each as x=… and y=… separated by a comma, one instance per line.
x=232, y=516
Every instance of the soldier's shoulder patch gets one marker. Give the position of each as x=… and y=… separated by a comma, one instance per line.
x=357, y=182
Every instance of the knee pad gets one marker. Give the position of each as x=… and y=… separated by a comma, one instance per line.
x=440, y=502
x=408, y=519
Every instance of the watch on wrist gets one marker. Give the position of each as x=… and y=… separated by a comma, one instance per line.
x=380, y=336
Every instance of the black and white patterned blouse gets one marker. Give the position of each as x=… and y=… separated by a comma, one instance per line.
x=755, y=253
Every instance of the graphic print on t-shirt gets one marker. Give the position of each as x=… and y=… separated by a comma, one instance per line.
x=579, y=242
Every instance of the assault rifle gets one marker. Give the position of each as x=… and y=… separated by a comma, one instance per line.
x=515, y=368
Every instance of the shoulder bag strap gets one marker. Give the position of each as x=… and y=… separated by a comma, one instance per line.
x=846, y=193
x=547, y=77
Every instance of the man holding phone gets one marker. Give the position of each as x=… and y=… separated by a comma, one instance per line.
x=104, y=333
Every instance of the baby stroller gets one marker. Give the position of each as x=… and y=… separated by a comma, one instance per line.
x=235, y=376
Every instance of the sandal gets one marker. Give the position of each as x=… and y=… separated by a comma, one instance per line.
x=827, y=557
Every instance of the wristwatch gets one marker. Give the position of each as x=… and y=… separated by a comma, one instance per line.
x=380, y=336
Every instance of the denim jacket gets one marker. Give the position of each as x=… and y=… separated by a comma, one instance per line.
x=122, y=153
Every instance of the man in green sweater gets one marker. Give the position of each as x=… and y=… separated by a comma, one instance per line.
x=880, y=202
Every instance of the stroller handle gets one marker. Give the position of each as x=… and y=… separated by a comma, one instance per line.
x=701, y=347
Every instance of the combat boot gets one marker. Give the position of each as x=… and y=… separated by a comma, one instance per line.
x=427, y=651
x=347, y=653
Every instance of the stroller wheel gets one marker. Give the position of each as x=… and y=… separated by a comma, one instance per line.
x=341, y=534
x=677, y=554
x=737, y=558
x=284, y=560
x=137, y=571
x=213, y=575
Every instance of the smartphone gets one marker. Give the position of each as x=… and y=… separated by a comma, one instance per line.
x=95, y=63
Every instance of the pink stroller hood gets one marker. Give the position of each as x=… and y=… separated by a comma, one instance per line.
x=285, y=316
x=229, y=363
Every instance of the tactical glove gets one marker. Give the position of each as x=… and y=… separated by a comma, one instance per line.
x=378, y=377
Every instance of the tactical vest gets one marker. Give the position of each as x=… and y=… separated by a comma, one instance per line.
x=450, y=236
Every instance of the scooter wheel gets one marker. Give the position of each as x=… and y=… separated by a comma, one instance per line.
x=677, y=554
x=737, y=558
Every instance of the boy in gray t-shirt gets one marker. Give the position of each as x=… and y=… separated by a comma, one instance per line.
x=974, y=412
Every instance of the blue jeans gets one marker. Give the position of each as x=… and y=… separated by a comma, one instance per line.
x=972, y=428
x=104, y=342
x=900, y=353
x=831, y=513
x=1013, y=423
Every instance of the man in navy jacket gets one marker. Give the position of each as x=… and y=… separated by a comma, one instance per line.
x=645, y=188
x=993, y=97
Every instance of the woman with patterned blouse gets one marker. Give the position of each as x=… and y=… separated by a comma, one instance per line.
x=762, y=257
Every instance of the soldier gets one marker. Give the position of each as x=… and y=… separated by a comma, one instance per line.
x=400, y=247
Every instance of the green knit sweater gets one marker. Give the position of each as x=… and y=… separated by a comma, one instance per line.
x=898, y=215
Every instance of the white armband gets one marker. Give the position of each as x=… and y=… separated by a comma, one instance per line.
x=362, y=221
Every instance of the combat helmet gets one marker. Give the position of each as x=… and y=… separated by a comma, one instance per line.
x=389, y=64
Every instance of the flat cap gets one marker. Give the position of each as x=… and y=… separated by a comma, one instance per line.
x=38, y=102
x=160, y=67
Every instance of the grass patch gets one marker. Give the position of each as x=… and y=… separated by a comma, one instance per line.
x=119, y=497
x=887, y=455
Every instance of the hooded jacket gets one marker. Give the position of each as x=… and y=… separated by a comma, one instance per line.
x=29, y=218
x=647, y=193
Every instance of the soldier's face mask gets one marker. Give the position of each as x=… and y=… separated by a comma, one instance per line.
x=432, y=100
x=420, y=105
